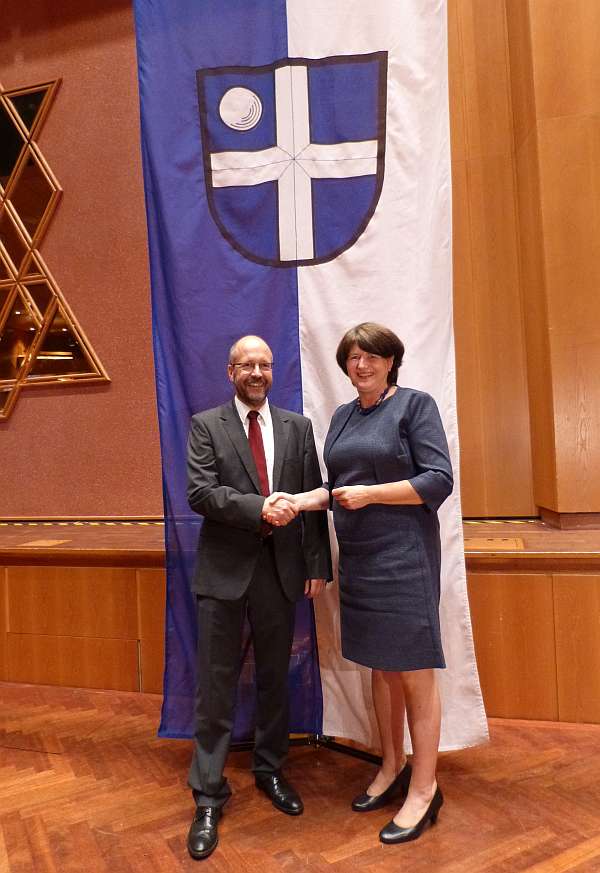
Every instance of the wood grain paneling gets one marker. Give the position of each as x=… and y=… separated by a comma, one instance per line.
x=72, y=601
x=481, y=52
x=566, y=36
x=513, y=627
x=578, y=428
x=569, y=160
x=492, y=385
x=577, y=611
x=493, y=410
x=151, y=628
x=569, y=156
x=558, y=167
x=468, y=374
x=113, y=799
x=537, y=340
x=79, y=661
x=3, y=624
x=518, y=28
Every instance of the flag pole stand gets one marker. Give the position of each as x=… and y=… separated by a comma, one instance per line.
x=319, y=741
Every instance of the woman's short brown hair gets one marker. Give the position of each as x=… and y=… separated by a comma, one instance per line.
x=373, y=338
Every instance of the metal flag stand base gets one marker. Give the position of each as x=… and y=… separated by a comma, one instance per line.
x=319, y=741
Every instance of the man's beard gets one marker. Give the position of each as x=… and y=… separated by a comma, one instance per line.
x=252, y=395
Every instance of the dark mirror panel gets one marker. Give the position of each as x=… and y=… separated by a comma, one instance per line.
x=28, y=105
x=11, y=239
x=30, y=194
x=41, y=294
x=30, y=267
x=18, y=333
x=11, y=144
x=61, y=353
x=4, y=398
x=5, y=292
x=4, y=271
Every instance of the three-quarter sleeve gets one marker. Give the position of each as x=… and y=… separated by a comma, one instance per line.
x=429, y=449
x=329, y=489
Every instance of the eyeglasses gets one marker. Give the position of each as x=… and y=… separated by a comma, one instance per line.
x=247, y=367
x=368, y=356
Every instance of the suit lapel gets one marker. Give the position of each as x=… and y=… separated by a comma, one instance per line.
x=281, y=432
x=237, y=435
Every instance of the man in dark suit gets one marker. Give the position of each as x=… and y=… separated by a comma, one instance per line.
x=239, y=456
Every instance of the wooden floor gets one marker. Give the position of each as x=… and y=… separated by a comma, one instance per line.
x=85, y=785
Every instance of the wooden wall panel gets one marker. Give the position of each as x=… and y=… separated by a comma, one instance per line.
x=567, y=72
x=72, y=601
x=504, y=406
x=151, y=628
x=569, y=156
x=468, y=375
x=480, y=31
x=561, y=172
x=537, y=341
x=518, y=30
x=577, y=611
x=531, y=254
x=513, y=627
x=493, y=411
x=569, y=160
x=3, y=625
x=84, y=662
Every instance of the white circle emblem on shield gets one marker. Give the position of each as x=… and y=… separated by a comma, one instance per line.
x=240, y=108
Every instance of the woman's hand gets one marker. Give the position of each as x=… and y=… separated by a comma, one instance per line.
x=314, y=587
x=353, y=496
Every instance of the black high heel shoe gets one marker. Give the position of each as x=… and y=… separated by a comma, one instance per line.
x=366, y=802
x=391, y=833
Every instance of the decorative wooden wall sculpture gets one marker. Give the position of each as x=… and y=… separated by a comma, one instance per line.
x=40, y=340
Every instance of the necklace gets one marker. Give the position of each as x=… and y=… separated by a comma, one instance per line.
x=367, y=410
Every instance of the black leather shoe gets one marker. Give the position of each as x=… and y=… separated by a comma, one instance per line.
x=203, y=836
x=280, y=793
x=391, y=833
x=367, y=802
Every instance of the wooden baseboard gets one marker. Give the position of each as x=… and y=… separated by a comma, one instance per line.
x=571, y=520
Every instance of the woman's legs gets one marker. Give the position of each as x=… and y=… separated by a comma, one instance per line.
x=388, y=700
x=423, y=712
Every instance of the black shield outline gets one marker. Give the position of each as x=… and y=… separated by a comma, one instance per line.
x=381, y=57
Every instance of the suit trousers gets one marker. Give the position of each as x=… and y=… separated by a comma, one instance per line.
x=220, y=630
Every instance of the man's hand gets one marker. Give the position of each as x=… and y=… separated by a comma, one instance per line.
x=353, y=496
x=279, y=509
x=313, y=587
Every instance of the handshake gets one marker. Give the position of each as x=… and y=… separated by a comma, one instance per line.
x=280, y=508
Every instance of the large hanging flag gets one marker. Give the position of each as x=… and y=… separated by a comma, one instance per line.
x=296, y=163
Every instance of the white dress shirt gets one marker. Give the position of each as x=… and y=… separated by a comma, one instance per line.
x=266, y=428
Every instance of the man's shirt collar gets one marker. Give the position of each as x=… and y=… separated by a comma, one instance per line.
x=264, y=412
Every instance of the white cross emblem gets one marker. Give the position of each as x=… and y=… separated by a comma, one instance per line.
x=293, y=162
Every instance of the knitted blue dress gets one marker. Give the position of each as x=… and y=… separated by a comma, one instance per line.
x=389, y=569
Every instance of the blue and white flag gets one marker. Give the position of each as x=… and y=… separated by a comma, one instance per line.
x=297, y=176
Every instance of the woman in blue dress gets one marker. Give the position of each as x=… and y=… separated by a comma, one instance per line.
x=388, y=472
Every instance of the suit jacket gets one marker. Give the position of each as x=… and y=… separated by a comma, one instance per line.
x=223, y=487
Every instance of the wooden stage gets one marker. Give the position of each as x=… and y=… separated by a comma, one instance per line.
x=87, y=787
x=82, y=604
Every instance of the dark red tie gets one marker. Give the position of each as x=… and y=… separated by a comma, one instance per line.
x=258, y=451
